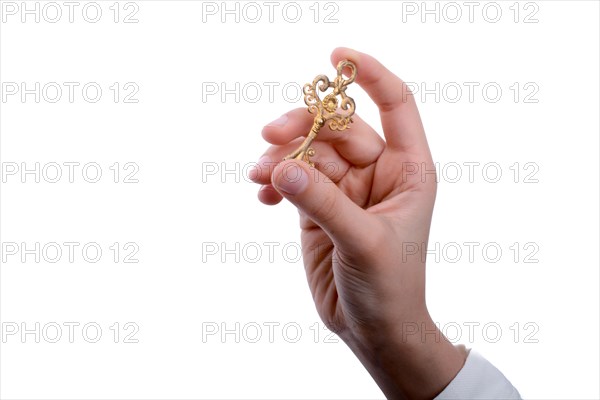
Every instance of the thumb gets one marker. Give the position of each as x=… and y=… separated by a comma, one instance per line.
x=322, y=201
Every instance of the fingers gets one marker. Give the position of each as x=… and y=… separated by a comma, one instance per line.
x=359, y=144
x=269, y=196
x=326, y=159
x=289, y=126
x=400, y=118
x=324, y=203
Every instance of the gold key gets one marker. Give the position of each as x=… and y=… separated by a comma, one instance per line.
x=338, y=114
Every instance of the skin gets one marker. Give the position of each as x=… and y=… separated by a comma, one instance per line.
x=363, y=205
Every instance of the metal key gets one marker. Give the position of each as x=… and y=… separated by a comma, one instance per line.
x=338, y=114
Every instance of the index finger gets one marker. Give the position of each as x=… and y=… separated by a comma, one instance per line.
x=400, y=117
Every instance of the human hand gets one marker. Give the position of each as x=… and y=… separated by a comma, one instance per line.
x=364, y=200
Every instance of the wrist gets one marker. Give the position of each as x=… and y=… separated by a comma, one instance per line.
x=414, y=360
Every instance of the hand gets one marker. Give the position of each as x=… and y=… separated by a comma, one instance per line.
x=363, y=205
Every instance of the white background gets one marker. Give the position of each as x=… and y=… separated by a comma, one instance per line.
x=540, y=318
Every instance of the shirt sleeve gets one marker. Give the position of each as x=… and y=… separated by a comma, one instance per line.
x=479, y=379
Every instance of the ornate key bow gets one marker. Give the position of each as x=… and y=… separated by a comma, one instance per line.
x=326, y=110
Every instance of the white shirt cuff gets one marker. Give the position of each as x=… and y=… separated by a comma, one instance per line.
x=479, y=379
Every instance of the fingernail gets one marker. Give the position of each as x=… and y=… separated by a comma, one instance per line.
x=292, y=179
x=256, y=171
x=281, y=121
